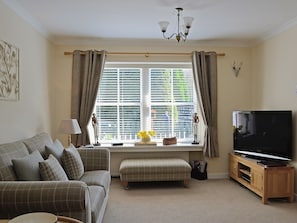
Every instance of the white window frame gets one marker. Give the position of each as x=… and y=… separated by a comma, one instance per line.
x=145, y=78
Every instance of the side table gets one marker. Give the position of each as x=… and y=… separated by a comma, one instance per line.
x=61, y=219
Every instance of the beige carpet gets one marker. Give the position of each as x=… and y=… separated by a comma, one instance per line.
x=213, y=201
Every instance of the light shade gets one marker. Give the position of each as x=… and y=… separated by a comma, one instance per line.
x=163, y=25
x=69, y=126
x=188, y=22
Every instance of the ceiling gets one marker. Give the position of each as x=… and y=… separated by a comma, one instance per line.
x=245, y=21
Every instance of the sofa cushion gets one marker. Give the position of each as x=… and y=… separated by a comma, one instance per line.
x=8, y=152
x=97, y=178
x=38, y=142
x=56, y=149
x=97, y=196
x=51, y=169
x=72, y=163
x=27, y=168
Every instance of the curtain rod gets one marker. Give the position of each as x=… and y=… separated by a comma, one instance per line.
x=147, y=54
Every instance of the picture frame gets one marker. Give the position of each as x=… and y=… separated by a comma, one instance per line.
x=9, y=72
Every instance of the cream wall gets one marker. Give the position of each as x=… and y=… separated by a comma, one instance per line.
x=275, y=77
x=233, y=93
x=29, y=115
x=267, y=80
x=45, y=84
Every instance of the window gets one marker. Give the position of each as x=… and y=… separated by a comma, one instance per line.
x=134, y=97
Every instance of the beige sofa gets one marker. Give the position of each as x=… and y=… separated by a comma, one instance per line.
x=84, y=198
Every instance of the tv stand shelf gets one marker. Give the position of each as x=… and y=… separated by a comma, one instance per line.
x=266, y=181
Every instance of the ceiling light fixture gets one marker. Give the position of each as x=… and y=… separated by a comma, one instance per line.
x=179, y=35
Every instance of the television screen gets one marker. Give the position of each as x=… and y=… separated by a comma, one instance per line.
x=266, y=134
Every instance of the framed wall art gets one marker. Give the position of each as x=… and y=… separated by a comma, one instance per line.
x=9, y=72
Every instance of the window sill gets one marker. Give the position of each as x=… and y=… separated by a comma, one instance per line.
x=184, y=147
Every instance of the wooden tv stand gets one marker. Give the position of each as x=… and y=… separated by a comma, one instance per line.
x=266, y=181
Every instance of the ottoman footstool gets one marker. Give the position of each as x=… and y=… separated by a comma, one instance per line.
x=155, y=169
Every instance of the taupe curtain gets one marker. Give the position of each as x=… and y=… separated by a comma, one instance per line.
x=87, y=70
x=205, y=79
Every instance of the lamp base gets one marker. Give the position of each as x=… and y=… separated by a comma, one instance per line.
x=97, y=144
x=69, y=140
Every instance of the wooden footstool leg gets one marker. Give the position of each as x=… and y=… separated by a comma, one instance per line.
x=186, y=183
x=125, y=184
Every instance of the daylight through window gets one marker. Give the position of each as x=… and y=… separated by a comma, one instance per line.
x=134, y=97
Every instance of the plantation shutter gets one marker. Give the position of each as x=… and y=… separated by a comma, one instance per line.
x=172, y=101
x=119, y=103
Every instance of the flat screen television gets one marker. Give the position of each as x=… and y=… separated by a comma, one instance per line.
x=263, y=134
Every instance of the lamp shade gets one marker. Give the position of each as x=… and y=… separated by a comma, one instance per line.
x=69, y=126
x=188, y=22
x=163, y=25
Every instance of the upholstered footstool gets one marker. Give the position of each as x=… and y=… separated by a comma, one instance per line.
x=155, y=169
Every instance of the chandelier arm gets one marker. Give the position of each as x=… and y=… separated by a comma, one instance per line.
x=169, y=37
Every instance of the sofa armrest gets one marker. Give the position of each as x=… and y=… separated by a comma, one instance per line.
x=95, y=158
x=19, y=197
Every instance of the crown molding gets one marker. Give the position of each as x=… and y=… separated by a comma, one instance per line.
x=26, y=16
x=277, y=31
x=87, y=41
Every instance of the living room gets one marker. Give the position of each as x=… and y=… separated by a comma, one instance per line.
x=267, y=79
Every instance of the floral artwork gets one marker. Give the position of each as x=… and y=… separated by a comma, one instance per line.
x=9, y=72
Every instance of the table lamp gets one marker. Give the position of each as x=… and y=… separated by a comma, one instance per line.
x=69, y=126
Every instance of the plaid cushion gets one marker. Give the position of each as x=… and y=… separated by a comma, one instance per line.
x=8, y=152
x=38, y=142
x=97, y=177
x=72, y=163
x=51, y=169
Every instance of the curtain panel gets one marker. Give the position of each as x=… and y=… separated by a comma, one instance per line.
x=87, y=71
x=205, y=80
